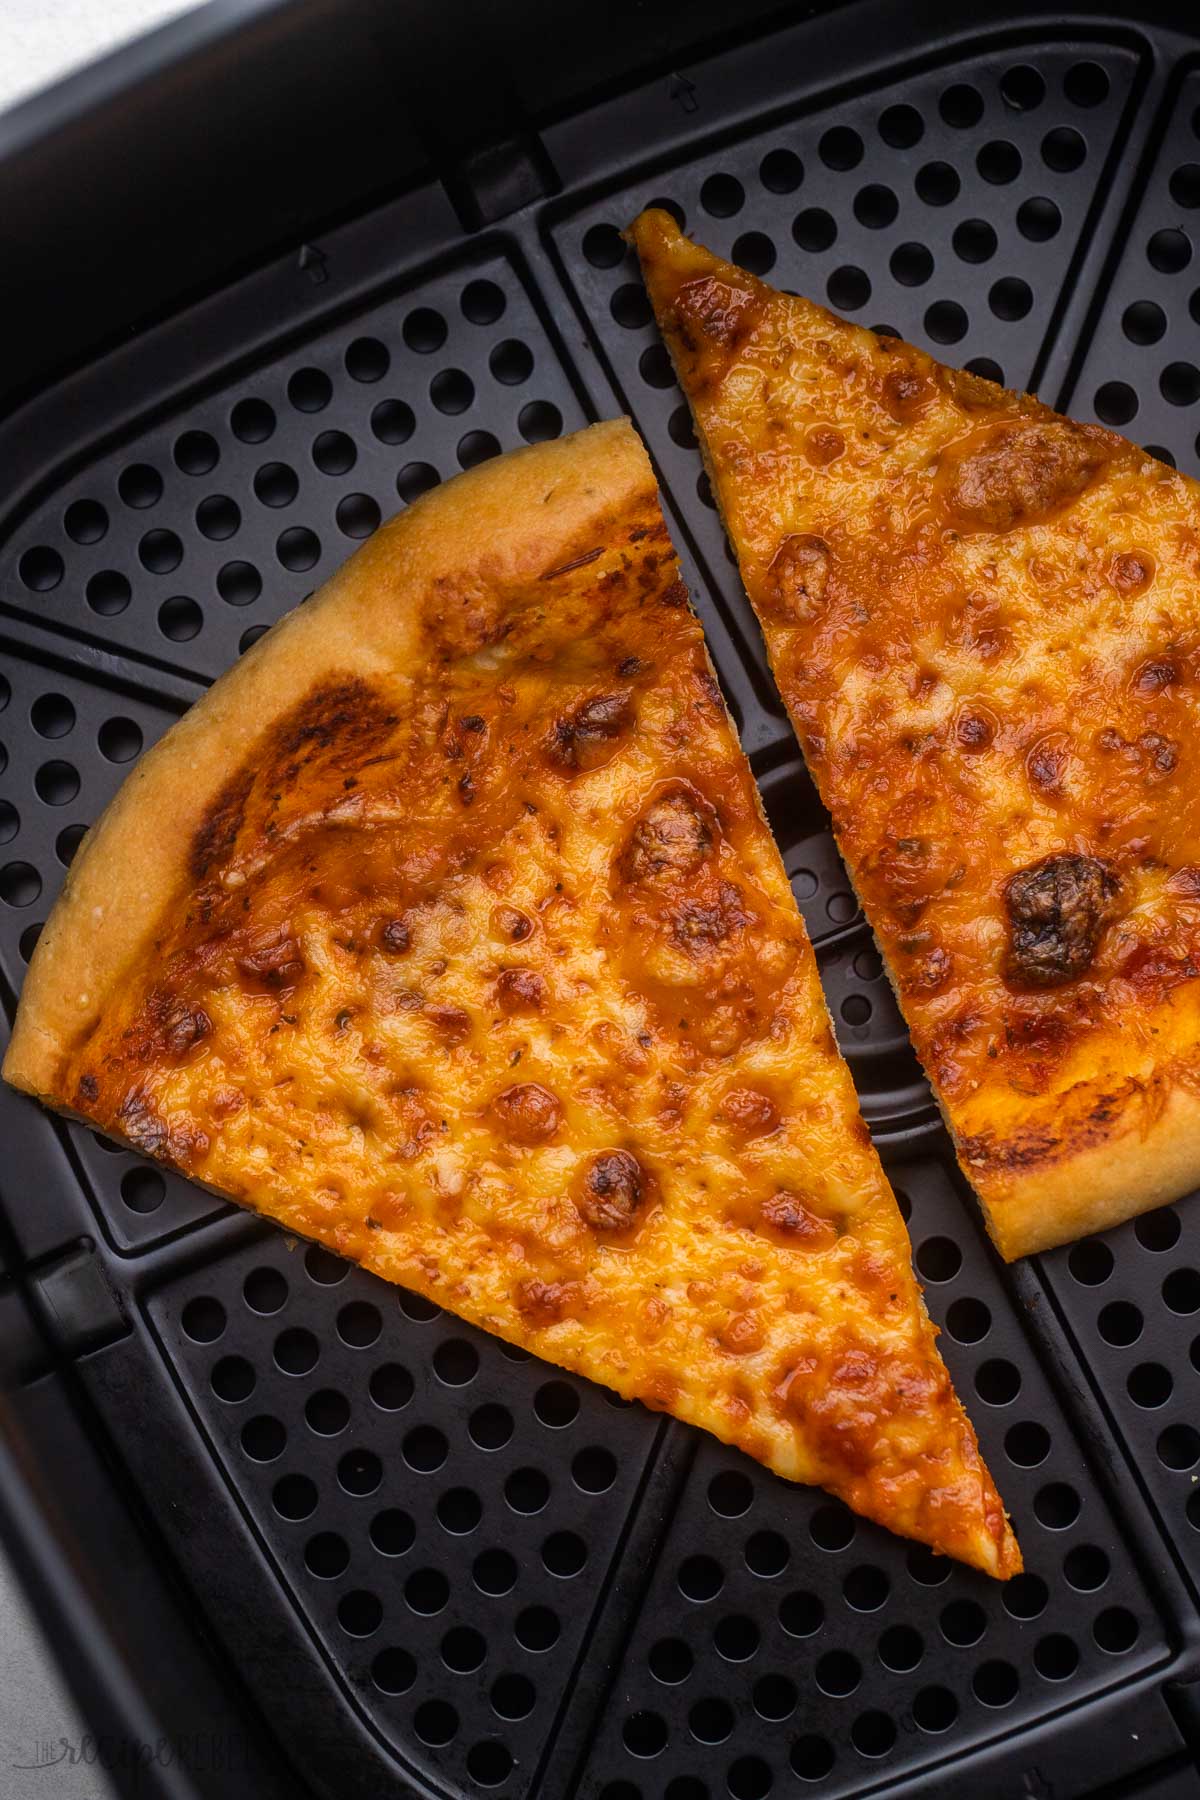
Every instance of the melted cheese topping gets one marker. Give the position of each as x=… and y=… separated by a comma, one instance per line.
x=489, y=977
x=984, y=621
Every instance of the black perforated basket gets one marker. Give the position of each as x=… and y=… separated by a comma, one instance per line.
x=268, y=278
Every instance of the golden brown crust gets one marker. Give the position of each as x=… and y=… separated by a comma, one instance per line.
x=469, y=954
x=983, y=620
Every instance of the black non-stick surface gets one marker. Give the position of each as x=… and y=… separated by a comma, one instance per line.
x=487, y=1575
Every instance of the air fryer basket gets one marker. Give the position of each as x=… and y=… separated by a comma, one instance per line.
x=400, y=1556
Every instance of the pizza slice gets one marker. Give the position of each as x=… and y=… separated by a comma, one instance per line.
x=447, y=930
x=985, y=622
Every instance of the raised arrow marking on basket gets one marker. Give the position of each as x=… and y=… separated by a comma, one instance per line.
x=314, y=264
x=683, y=92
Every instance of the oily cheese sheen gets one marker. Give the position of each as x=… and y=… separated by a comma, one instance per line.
x=985, y=621
x=447, y=931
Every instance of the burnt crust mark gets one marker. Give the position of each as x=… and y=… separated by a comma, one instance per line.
x=1019, y=474
x=613, y=1191
x=671, y=841
x=218, y=832
x=336, y=717
x=1057, y=909
x=584, y=738
x=579, y=562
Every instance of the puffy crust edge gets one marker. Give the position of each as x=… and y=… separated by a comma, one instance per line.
x=1089, y=1190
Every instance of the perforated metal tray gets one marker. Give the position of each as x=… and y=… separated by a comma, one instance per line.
x=428, y=1562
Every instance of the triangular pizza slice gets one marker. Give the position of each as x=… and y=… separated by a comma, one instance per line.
x=447, y=930
x=985, y=621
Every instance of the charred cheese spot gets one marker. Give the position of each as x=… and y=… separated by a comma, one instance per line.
x=1057, y=910
x=183, y=1027
x=1154, y=676
x=520, y=990
x=1046, y=763
x=613, y=1190
x=748, y=1113
x=975, y=729
x=527, y=1114
x=395, y=936
x=1018, y=474
x=142, y=1125
x=671, y=841
x=587, y=737
x=793, y=589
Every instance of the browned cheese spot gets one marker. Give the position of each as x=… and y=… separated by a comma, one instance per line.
x=793, y=589
x=906, y=393
x=823, y=445
x=1154, y=676
x=715, y=311
x=452, y=1022
x=786, y=1215
x=929, y=970
x=749, y=1113
x=527, y=1113
x=511, y=924
x=271, y=963
x=586, y=737
x=1046, y=763
x=1057, y=910
x=1132, y=571
x=520, y=990
x=546, y=1302
x=671, y=841
x=1017, y=474
x=614, y=1189
x=741, y=1334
